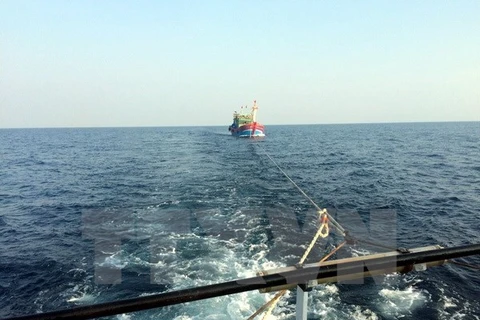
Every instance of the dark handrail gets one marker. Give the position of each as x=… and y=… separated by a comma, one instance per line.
x=297, y=276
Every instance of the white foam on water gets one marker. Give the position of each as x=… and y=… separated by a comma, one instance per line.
x=187, y=260
x=363, y=314
x=82, y=298
x=453, y=308
x=325, y=303
x=356, y=251
x=114, y=261
x=448, y=302
x=217, y=261
x=81, y=293
x=223, y=260
x=400, y=303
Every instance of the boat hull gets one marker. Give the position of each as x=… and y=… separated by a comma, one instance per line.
x=249, y=130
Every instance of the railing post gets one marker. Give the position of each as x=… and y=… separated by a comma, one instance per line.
x=302, y=299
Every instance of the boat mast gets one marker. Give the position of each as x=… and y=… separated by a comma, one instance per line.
x=254, y=111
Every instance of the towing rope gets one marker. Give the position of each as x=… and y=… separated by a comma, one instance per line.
x=320, y=233
x=332, y=220
x=323, y=231
x=332, y=252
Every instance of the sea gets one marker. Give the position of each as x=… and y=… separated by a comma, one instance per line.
x=93, y=215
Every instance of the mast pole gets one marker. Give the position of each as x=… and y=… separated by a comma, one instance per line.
x=254, y=111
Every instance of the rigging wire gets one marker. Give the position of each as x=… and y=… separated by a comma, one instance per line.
x=332, y=220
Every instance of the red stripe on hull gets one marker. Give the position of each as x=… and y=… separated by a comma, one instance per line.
x=252, y=126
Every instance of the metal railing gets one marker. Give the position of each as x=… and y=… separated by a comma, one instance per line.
x=302, y=276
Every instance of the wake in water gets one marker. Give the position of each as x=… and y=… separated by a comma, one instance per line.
x=123, y=213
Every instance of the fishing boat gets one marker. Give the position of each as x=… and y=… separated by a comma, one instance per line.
x=245, y=123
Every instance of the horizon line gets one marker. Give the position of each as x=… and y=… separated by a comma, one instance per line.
x=211, y=125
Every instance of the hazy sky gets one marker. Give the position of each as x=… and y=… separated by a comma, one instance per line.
x=155, y=63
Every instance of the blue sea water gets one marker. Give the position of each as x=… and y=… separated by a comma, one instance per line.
x=97, y=214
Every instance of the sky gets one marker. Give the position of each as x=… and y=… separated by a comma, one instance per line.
x=179, y=63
